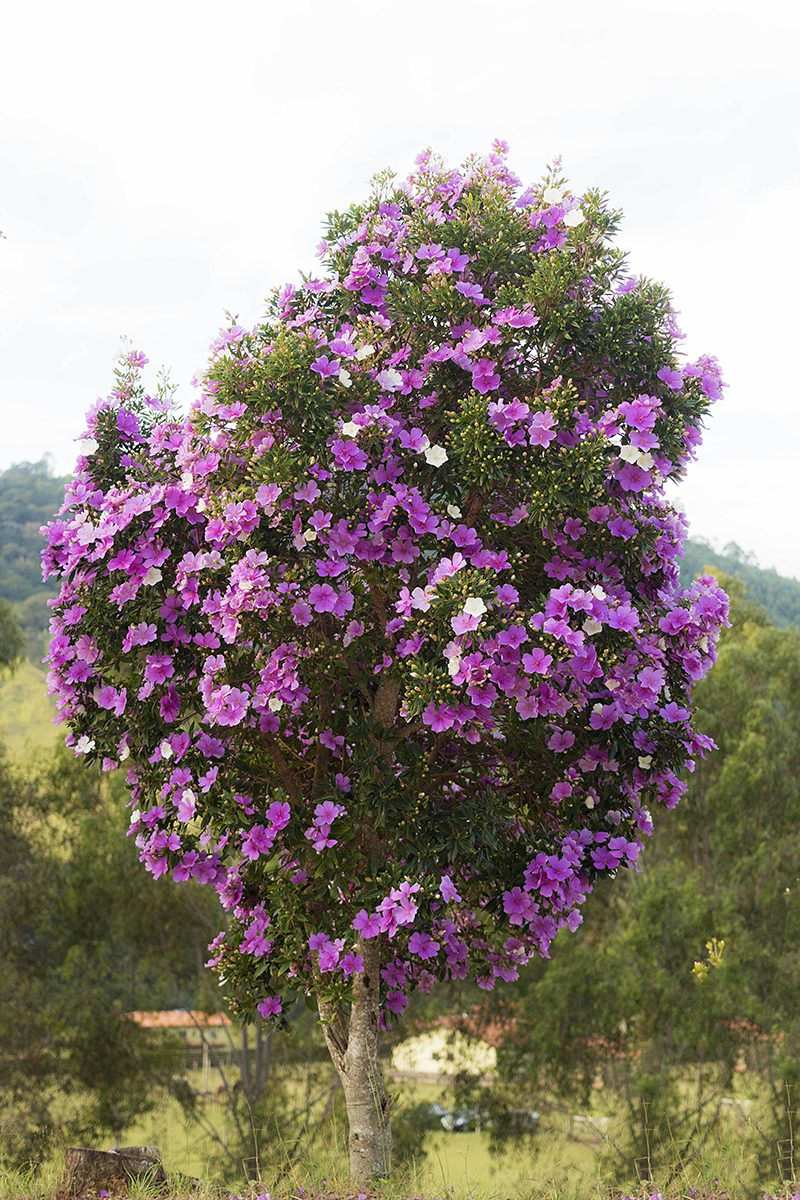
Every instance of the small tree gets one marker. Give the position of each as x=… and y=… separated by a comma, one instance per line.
x=388, y=627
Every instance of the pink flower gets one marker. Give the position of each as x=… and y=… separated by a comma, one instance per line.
x=518, y=905
x=368, y=925
x=322, y=597
x=270, y=1006
x=536, y=662
x=423, y=946
x=540, y=429
x=484, y=376
x=438, y=717
x=447, y=890
x=325, y=367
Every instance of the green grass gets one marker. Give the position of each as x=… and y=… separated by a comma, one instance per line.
x=553, y=1165
x=26, y=714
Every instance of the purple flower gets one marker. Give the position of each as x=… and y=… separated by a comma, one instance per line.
x=325, y=367
x=423, y=946
x=448, y=891
x=367, y=925
x=484, y=376
x=540, y=429
x=671, y=378
x=270, y=1006
x=537, y=662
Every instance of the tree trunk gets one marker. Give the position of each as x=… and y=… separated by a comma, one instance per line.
x=353, y=1045
x=111, y=1171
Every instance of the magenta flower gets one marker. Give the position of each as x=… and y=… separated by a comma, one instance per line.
x=348, y=456
x=322, y=597
x=540, y=429
x=537, y=662
x=485, y=377
x=448, y=891
x=270, y=1006
x=423, y=946
x=325, y=367
x=369, y=926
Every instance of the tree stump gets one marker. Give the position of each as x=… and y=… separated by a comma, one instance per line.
x=89, y=1172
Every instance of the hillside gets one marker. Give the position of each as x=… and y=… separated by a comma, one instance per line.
x=779, y=595
x=29, y=496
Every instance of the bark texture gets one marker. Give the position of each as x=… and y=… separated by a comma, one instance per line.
x=353, y=1044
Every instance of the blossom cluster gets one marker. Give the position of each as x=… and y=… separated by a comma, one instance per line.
x=386, y=631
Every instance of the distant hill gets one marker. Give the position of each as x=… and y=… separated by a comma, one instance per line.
x=30, y=494
x=779, y=595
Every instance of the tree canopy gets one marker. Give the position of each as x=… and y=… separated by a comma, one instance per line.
x=389, y=628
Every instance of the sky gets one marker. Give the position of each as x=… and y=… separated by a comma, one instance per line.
x=163, y=164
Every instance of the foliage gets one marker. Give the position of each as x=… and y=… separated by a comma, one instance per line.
x=81, y=944
x=11, y=640
x=389, y=627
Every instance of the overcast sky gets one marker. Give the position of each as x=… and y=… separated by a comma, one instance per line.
x=162, y=162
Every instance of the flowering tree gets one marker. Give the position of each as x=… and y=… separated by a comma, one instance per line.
x=387, y=630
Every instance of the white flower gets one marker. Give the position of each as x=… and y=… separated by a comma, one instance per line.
x=187, y=479
x=344, y=377
x=435, y=456
x=474, y=606
x=454, y=664
x=590, y=802
x=390, y=379
x=591, y=626
x=453, y=511
x=552, y=194
x=86, y=533
x=573, y=218
x=84, y=744
x=350, y=429
x=153, y=576
x=136, y=815
x=364, y=352
x=612, y=684
x=598, y=592
x=124, y=753
x=166, y=750
x=421, y=598
x=201, y=505
x=275, y=704
x=87, y=445
x=645, y=761
x=633, y=454
x=309, y=535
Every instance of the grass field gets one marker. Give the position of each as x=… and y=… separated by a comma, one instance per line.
x=26, y=713
x=557, y=1163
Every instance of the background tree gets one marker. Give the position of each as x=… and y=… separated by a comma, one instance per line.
x=389, y=628
x=12, y=642
x=82, y=944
